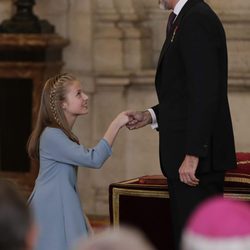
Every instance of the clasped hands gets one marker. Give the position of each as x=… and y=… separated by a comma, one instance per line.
x=139, y=119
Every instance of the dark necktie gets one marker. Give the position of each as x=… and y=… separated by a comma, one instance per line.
x=171, y=18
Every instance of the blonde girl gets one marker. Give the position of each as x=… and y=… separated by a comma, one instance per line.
x=55, y=199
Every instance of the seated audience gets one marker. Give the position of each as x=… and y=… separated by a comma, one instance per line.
x=17, y=231
x=218, y=224
x=116, y=239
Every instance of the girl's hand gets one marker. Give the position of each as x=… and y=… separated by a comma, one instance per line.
x=122, y=119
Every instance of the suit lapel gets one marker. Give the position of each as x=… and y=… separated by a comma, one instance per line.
x=164, y=48
x=177, y=23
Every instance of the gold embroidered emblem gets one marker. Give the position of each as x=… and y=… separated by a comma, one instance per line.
x=173, y=36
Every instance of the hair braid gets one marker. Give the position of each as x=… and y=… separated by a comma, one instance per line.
x=53, y=98
x=51, y=113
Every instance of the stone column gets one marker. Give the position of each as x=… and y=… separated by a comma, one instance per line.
x=107, y=38
x=235, y=16
x=109, y=100
x=106, y=103
x=137, y=46
x=156, y=21
x=142, y=146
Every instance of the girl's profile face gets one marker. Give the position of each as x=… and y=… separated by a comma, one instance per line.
x=76, y=101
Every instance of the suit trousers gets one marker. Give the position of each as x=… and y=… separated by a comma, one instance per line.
x=184, y=199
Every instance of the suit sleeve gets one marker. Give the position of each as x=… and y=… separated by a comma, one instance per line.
x=57, y=146
x=199, y=48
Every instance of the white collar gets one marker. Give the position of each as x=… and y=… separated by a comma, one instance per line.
x=178, y=7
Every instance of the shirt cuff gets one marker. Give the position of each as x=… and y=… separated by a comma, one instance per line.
x=154, y=123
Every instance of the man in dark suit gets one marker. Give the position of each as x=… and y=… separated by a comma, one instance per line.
x=192, y=117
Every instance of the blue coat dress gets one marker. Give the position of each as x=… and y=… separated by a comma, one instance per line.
x=55, y=200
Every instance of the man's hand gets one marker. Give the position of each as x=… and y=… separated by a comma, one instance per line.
x=187, y=170
x=138, y=119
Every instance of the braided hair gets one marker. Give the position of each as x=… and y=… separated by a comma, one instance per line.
x=52, y=100
x=51, y=113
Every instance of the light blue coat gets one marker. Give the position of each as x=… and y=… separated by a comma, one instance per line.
x=55, y=200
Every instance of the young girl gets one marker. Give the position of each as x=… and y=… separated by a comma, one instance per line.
x=55, y=199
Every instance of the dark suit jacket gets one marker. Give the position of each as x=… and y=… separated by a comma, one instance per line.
x=191, y=83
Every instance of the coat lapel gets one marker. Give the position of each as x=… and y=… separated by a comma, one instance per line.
x=177, y=23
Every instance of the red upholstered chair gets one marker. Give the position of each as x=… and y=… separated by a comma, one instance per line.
x=143, y=202
x=237, y=181
x=240, y=176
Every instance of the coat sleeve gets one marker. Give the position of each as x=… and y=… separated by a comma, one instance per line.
x=199, y=48
x=54, y=144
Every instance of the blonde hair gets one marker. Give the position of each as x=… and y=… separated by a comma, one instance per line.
x=51, y=113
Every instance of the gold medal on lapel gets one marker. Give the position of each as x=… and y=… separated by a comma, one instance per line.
x=175, y=29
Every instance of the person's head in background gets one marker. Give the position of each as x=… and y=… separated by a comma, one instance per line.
x=122, y=238
x=218, y=224
x=17, y=230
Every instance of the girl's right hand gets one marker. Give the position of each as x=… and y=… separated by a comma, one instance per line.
x=122, y=119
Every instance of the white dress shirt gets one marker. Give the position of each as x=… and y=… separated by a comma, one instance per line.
x=178, y=7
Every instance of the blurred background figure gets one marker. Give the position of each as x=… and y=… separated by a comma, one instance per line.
x=122, y=238
x=17, y=231
x=218, y=224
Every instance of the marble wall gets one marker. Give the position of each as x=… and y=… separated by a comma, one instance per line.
x=114, y=48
